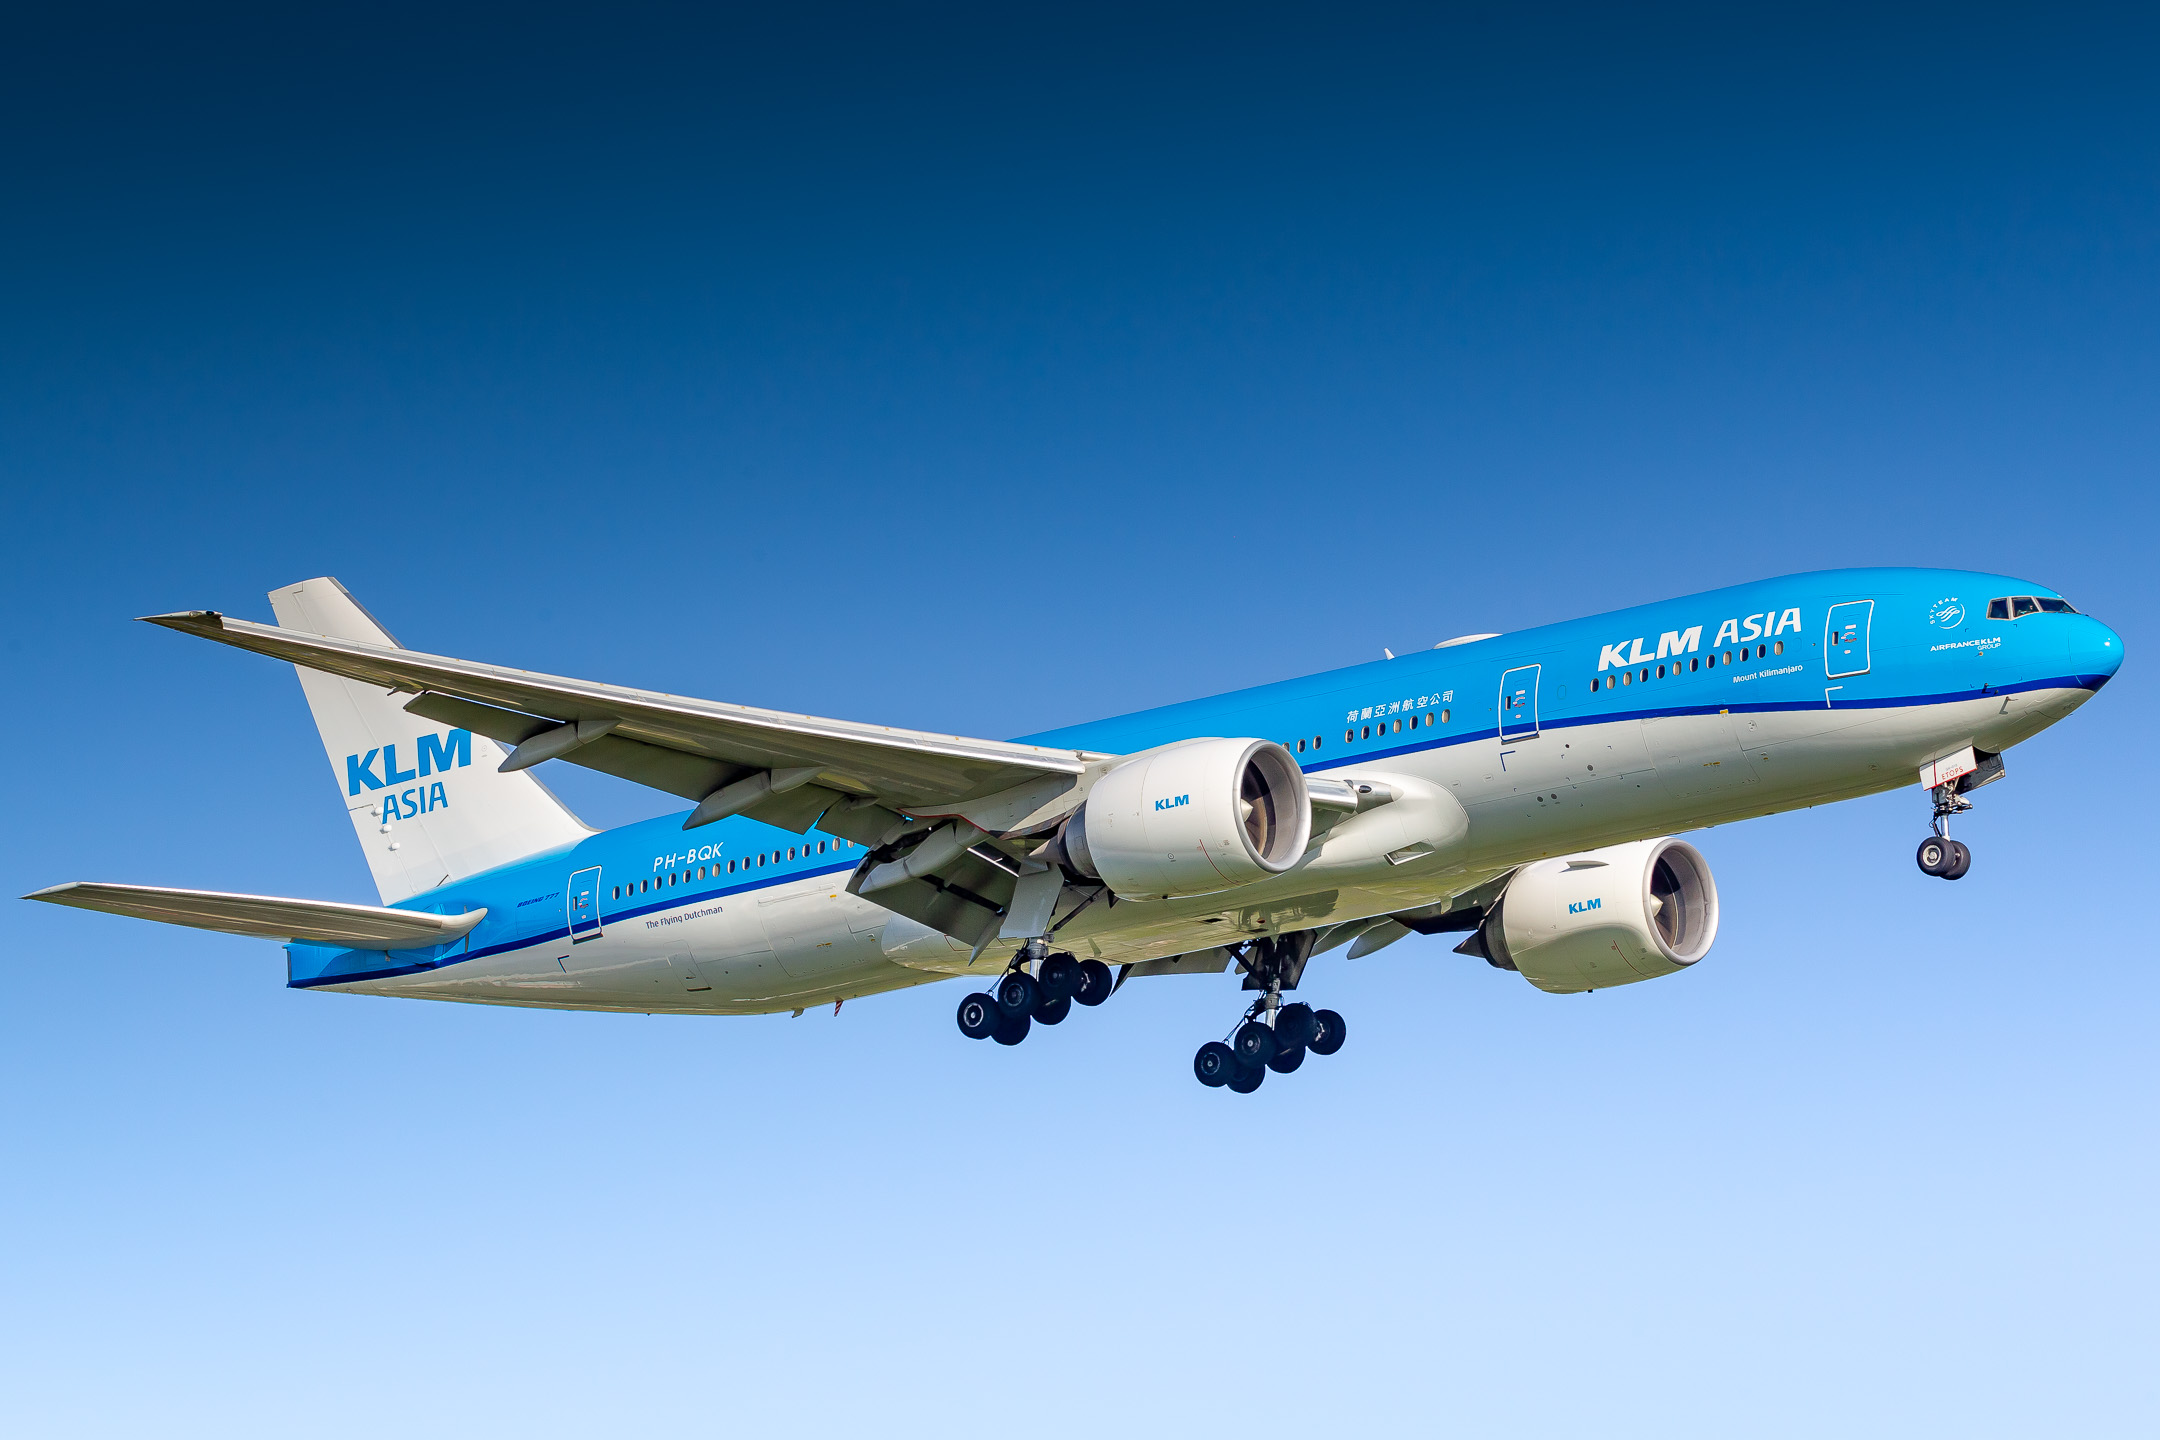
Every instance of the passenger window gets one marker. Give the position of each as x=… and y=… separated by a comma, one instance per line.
x=1695, y=664
x=1316, y=742
x=1301, y=750
x=1593, y=687
x=1627, y=677
x=1398, y=727
x=1348, y=736
x=1365, y=734
x=1443, y=717
x=1661, y=672
x=1778, y=649
x=1761, y=651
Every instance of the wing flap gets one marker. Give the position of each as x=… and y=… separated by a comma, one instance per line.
x=268, y=917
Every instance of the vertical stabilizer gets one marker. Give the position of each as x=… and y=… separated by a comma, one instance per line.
x=425, y=800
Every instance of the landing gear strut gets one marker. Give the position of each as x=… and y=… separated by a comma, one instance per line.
x=1039, y=988
x=1939, y=855
x=1272, y=1036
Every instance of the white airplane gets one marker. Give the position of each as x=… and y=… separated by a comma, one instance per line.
x=1519, y=789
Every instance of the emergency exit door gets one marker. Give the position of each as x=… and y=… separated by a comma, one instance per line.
x=1518, y=703
x=1845, y=638
x=583, y=903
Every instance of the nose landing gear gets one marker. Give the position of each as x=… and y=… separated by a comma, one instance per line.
x=1939, y=855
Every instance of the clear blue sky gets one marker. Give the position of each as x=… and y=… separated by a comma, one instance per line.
x=988, y=371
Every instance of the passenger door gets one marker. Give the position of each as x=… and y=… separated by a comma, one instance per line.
x=1845, y=639
x=583, y=904
x=1519, y=703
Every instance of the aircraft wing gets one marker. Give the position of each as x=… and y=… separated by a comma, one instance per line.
x=268, y=917
x=788, y=770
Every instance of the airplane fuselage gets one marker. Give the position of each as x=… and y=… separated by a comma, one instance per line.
x=1668, y=717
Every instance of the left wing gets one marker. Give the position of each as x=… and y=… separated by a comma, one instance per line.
x=932, y=809
x=734, y=759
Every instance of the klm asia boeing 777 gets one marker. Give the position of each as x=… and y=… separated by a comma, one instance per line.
x=1520, y=790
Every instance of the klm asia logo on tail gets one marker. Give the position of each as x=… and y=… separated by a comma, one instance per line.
x=435, y=755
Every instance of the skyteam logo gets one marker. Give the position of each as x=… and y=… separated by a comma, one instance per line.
x=1584, y=907
x=436, y=755
x=1173, y=802
x=1947, y=613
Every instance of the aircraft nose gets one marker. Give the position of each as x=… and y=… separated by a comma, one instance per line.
x=2095, y=652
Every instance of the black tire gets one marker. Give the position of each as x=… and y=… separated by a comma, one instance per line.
x=1215, y=1064
x=1050, y=1012
x=1059, y=977
x=1960, y=861
x=1011, y=1029
x=1934, y=855
x=1018, y=994
x=979, y=1016
x=1247, y=1079
x=1095, y=983
x=1284, y=1061
x=1330, y=1038
x=1254, y=1043
x=1294, y=1028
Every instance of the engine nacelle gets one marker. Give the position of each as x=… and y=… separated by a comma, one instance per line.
x=1192, y=818
x=1603, y=918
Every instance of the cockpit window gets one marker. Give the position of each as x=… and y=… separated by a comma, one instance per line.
x=2012, y=607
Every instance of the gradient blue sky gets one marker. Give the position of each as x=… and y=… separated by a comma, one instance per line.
x=983, y=371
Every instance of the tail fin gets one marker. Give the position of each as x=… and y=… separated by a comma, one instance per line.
x=427, y=803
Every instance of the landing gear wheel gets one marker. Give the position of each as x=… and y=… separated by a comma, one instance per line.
x=1050, y=1012
x=1960, y=861
x=1247, y=1079
x=1328, y=1037
x=1018, y=994
x=1011, y=1029
x=1059, y=977
x=1294, y=1030
x=1284, y=1061
x=1254, y=1043
x=1934, y=855
x=979, y=1016
x=1095, y=983
x=1215, y=1064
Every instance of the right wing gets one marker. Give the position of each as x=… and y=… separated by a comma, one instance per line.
x=269, y=917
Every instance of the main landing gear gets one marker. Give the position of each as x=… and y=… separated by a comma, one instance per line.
x=1022, y=1000
x=1258, y=1046
x=1273, y=1036
x=1939, y=855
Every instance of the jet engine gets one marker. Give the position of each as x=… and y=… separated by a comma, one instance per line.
x=1603, y=918
x=1192, y=818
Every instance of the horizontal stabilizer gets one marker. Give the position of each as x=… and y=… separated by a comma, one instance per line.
x=269, y=917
